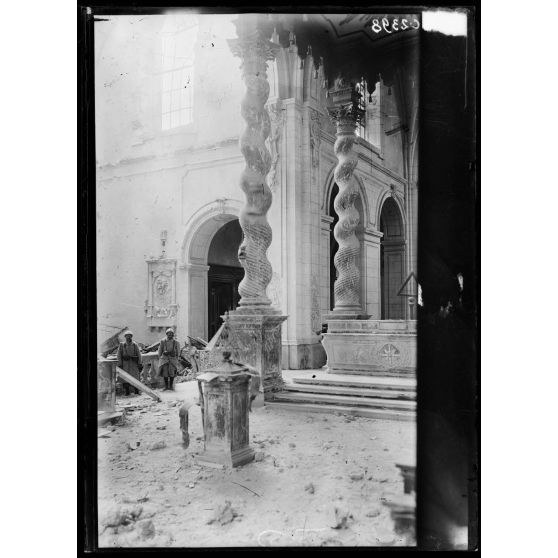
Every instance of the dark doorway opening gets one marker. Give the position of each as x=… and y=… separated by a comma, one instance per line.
x=224, y=274
x=392, y=261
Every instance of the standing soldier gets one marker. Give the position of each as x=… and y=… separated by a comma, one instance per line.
x=169, y=350
x=129, y=359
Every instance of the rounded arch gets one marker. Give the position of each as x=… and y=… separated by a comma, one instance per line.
x=330, y=183
x=203, y=225
x=361, y=204
x=389, y=195
x=193, y=312
x=392, y=259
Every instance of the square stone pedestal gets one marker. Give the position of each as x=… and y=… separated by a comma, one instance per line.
x=255, y=339
x=373, y=347
x=106, y=385
x=226, y=424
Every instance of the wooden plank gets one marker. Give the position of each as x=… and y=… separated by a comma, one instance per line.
x=136, y=383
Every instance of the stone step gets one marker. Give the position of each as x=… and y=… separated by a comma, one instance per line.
x=392, y=373
x=359, y=383
x=348, y=401
x=365, y=391
x=383, y=414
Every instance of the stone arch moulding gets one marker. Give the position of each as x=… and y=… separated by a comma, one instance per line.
x=192, y=282
x=330, y=181
x=385, y=195
x=201, y=227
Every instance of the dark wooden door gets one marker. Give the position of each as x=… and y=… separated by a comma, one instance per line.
x=220, y=300
x=223, y=294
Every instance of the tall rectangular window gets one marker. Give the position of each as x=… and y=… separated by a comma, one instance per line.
x=178, y=75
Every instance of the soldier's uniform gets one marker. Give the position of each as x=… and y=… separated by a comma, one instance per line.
x=128, y=358
x=169, y=351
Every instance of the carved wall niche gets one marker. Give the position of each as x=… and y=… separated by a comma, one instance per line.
x=161, y=307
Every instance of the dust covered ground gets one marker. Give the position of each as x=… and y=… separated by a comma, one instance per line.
x=319, y=480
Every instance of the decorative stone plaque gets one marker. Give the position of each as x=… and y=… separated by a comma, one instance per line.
x=161, y=307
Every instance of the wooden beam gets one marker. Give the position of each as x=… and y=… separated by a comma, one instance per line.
x=136, y=383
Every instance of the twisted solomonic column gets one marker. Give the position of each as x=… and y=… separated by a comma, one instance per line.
x=254, y=50
x=345, y=113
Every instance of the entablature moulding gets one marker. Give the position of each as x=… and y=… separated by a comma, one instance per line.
x=171, y=161
x=194, y=268
x=366, y=165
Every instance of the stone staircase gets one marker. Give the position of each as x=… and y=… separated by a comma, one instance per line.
x=381, y=397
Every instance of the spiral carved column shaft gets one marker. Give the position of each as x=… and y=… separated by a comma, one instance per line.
x=254, y=51
x=347, y=284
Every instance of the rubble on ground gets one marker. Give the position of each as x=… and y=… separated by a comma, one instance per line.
x=185, y=504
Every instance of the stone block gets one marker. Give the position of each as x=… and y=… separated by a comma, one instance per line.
x=255, y=339
x=375, y=346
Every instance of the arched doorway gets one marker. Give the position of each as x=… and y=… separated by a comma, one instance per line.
x=199, y=232
x=333, y=246
x=224, y=274
x=392, y=261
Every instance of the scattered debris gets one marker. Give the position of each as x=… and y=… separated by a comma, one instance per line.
x=374, y=512
x=123, y=375
x=145, y=529
x=356, y=476
x=104, y=434
x=246, y=488
x=340, y=518
x=259, y=456
x=331, y=541
x=118, y=516
x=131, y=448
x=161, y=427
x=292, y=445
x=310, y=488
x=223, y=515
x=158, y=445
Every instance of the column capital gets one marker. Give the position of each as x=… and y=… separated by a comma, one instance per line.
x=344, y=107
x=252, y=46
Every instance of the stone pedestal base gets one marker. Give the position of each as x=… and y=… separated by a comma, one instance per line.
x=342, y=315
x=219, y=459
x=374, y=347
x=225, y=420
x=255, y=339
x=106, y=385
x=305, y=356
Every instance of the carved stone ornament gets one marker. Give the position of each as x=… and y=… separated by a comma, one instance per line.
x=161, y=307
x=254, y=50
x=315, y=137
x=277, y=115
x=316, y=317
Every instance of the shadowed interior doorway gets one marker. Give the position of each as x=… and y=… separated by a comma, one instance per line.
x=224, y=275
x=392, y=261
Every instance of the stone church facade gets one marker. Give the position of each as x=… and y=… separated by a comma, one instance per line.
x=168, y=122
